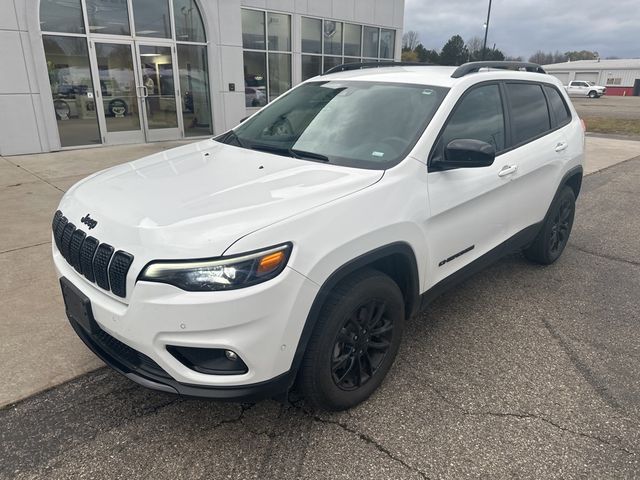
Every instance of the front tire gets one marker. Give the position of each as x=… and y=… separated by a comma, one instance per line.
x=593, y=94
x=354, y=342
x=554, y=235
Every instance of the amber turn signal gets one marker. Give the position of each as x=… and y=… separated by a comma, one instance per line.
x=270, y=262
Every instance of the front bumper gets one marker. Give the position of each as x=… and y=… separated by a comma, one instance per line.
x=262, y=324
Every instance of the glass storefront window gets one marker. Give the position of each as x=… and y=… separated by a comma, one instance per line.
x=352, y=39
x=279, y=28
x=370, y=42
x=56, y=16
x=311, y=35
x=253, y=33
x=255, y=79
x=332, y=37
x=387, y=43
x=157, y=77
x=194, y=85
x=151, y=18
x=330, y=62
x=108, y=16
x=279, y=74
x=311, y=66
x=189, y=25
x=72, y=89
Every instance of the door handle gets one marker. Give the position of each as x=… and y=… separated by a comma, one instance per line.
x=507, y=170
x=561, y=146
x=143, y=89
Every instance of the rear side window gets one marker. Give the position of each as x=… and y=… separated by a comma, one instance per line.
x=478, y=116
x=529, y=112
x=558, y=106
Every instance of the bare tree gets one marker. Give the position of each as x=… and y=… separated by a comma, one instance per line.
x=410, y=40
x=474, y=44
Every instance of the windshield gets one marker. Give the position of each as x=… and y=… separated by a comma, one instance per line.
x=351, y=123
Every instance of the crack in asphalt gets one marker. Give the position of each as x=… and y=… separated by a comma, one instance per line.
x=362, y=436
x=527, y=415
x=24, y=248
x=605, y=256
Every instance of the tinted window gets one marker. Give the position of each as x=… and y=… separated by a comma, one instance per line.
x=479, y=116
x=529, y=113
x=558, y=107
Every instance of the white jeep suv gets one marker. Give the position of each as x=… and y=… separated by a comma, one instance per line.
x=295, y=246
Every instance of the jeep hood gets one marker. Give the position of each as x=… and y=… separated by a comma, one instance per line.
x=196, y=200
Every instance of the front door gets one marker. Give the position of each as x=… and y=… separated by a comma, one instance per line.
x=138, y=94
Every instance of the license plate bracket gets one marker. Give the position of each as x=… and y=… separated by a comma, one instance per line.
x=78, y=306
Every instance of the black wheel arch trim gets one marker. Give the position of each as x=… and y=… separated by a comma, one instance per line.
x=412, y=290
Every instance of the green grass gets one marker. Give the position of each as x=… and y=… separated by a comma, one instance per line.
x=618, y=126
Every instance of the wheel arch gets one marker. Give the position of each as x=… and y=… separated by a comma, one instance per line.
x=397, y=260
x=573, y=179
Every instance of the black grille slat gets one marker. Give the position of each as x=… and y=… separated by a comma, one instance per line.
x=88, y=250
x=101, y=264
x=74, y=249
x=118, y=272
x=95, y=260
x=57, y=235
x=66, y=240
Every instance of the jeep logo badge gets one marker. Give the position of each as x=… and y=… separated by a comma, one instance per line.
x=88, y=221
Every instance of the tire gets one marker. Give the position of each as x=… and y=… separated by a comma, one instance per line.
x=593, y=94
x=555, y=232
x=343, y=352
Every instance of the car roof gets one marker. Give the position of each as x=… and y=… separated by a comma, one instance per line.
x=433, y=75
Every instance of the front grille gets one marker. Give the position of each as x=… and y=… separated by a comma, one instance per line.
x=95, y=260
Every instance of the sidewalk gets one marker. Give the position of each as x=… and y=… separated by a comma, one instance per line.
x=38, y=349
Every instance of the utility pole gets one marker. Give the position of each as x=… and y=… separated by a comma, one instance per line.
x=486, y=31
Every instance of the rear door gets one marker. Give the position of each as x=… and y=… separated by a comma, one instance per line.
x=469, y=206
x=539, y=148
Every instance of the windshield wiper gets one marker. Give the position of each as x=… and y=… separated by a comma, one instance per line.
x=311, y=155
x=231, y=136
x=289, y=152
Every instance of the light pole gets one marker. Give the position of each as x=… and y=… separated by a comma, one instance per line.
x=486, y=31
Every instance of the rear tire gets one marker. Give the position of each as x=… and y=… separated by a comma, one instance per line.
x=354, y=342
x=554, y=234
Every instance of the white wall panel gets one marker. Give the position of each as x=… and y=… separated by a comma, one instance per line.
x=8, y=20
x=281, y=5
x=18, y=129
x=364, y=11
x=14, y=78
x=344, y=9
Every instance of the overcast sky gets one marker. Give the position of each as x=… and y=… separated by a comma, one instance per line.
x=520, y=27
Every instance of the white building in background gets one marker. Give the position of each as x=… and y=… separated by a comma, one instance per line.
x=621, y=77
x=104, y=72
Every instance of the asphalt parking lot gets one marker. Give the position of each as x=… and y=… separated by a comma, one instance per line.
x=608, y=106
x=522, y=371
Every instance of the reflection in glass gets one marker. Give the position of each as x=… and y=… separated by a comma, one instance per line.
x=311, y=66
x=332, y=38
x=189, y=25
x=253, y=35
x=194, y=85
x=157, y=77
x=370, y=42
x=311, y=35
x=330, y=62
x=151, y=18
x=255, y=79
x=72, y=88
x=118, y=87
x=56, y=16
x=352, y=39
x=279, y=74
x=108, y=16
x=279, y=31
x=387, y=43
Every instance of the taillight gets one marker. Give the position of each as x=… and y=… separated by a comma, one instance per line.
x=584, y=125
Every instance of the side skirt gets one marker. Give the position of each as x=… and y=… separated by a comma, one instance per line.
x=520, y=240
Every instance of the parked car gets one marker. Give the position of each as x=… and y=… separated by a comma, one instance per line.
x=255, y=96
x=585, y=89
x=294, y=247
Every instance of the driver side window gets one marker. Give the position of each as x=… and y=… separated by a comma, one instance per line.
x=479, y=116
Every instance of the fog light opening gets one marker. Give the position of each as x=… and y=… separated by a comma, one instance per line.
x=231, y=355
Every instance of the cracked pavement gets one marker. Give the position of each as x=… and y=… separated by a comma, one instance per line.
x=522, y=371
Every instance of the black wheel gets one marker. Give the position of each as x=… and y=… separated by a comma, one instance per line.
x=593, y=94
x=354, y=342
x=554, y=235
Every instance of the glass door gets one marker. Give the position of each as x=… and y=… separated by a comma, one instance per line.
x=159, y=92
x=119, y=94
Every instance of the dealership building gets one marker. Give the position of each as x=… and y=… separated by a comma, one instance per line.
x=621, y=77
x=79, y=73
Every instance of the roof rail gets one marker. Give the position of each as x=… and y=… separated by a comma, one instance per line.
x=472, y=67
x=359, y=65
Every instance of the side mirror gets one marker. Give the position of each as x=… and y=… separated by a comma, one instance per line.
x=467, y=153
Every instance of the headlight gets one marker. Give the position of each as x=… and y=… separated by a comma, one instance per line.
x=224, y=273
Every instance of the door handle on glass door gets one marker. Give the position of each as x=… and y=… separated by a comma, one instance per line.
x=507, y=170
x=561, y=146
